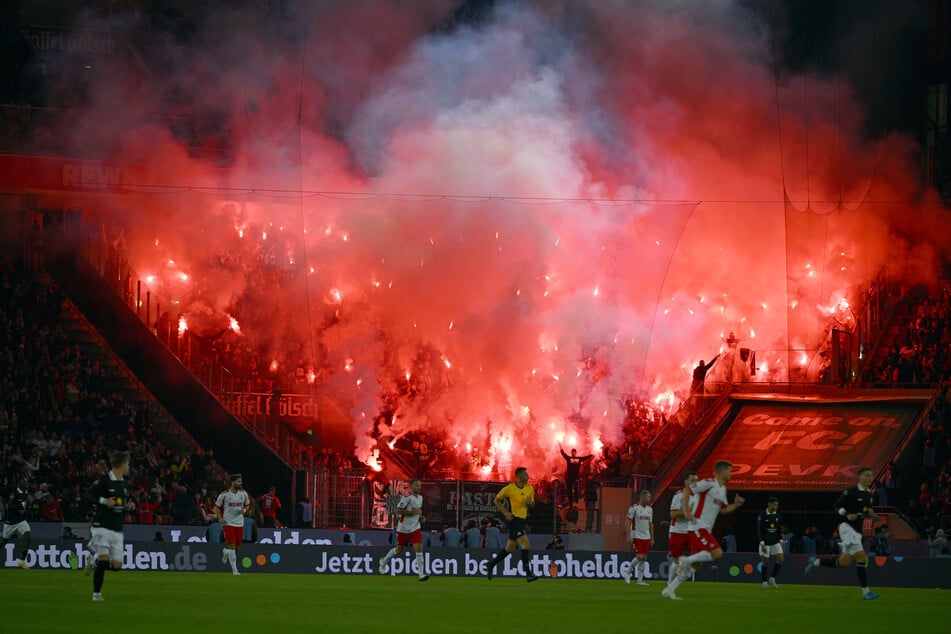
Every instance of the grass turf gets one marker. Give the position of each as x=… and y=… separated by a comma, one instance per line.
x=144, y=602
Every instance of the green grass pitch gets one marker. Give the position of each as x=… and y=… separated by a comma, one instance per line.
x=144, y=602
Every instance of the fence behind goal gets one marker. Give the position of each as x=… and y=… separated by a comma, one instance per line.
x=349, y=501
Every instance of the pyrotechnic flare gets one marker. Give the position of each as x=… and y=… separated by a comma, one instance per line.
x=554, y=232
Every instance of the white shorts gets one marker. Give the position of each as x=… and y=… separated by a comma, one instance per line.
x=107, y=542
x=851, y=539
x=15, y=530
x=768, y=550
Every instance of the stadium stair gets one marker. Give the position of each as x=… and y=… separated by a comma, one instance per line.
x=681, y=440
x=120, y=380
x=185, y=398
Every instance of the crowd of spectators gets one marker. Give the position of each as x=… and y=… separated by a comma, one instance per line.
x=429, y=457
x=922, y=355
x=930, y=509
x=333, y=462
x=59, y=422
x=428, y=454
x=922, y=358
x=422, y=453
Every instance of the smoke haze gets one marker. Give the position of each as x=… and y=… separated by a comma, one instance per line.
x=532, y=213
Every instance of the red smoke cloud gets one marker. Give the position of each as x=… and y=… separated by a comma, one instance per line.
x=560, y=204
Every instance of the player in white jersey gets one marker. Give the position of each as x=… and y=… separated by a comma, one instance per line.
x=639, y=525
x=230, y=508
x=707, y=501
x=408, y=531
x=678, y=538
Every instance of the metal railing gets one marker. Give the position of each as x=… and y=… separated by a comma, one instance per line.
x=154, y=311
x=353, y=501
x=678, y=426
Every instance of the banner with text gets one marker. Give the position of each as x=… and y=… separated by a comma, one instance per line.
x=70, y=556
x=19, y=173
x=810, y=446
x=283, y=406
x=446, y=503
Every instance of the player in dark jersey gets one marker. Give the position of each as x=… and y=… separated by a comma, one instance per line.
x=768, y=528
x=14, y=520
x=853, y=506
x=107, y=541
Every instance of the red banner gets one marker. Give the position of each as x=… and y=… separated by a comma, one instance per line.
x=795, y=446
x=60, y=175
x=63, y=174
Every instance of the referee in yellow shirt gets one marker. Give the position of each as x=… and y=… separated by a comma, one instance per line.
x=521, y=497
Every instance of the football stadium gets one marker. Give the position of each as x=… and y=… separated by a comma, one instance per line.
x=456, y=315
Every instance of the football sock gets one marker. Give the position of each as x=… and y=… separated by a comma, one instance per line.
x=233, y=560
x=776, y=569
x=675, y=583
x=639, y=569
x=764, y=573
x=862, y=570
x=698, y=558
x=672, y=571
x=527, y=563
x=499, y=556
x=388, y=556
x=99, y=574
x=829, y=562
x=420, y=564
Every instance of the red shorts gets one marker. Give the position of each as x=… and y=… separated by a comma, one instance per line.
x=416, y=537
x=701, y=539
x=233, y=534
x=678, y=544
x=641, y=546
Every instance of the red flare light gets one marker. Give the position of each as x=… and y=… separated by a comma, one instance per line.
x=415, y=175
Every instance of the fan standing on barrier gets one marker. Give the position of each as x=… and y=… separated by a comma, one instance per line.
x=521, y=497
x=408, y=530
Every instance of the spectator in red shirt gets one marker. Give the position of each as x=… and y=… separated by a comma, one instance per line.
x=51, y=510
x=269, y=507
x=147, y=510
